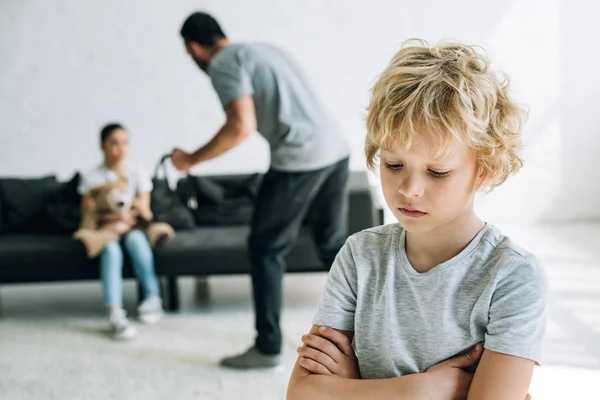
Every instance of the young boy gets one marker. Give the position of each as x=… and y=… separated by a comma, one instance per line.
x=411, y=296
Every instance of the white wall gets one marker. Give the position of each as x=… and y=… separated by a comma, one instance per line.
x=68, y=67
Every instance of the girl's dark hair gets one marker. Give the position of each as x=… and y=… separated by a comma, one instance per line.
x=202, y=29
x=108, y=130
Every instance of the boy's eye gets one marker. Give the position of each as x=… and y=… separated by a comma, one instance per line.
x=439, y=174
x=393, y=166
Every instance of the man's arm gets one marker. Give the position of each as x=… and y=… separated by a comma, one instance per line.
x=240, y=123
x=501, y=377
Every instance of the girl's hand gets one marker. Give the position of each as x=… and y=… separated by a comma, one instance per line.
x=329, y=354
x=131, y=217
x=113, y=217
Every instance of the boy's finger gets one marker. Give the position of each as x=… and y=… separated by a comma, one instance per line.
x=313, y=366
x=468, y=359
x=317, y=356
x=339, y=339
x=322, y=344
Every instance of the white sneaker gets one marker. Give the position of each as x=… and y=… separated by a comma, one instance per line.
x=150, y=311
x=120, y=327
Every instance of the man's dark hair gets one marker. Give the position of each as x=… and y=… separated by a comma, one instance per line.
x=202, y=29
x=108, y=130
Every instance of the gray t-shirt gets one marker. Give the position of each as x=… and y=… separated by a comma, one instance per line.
x=404, y=321
x=302, y=134
x=139, y=180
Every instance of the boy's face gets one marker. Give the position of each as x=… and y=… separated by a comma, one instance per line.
x=425, y=192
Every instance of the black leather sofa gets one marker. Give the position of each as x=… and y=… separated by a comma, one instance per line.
x=36, y=246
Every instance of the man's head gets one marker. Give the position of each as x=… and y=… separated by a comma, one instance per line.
x=443, y=127
x=202, y=36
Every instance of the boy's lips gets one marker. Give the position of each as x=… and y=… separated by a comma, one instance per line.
x=411, y=212
x=409, y=208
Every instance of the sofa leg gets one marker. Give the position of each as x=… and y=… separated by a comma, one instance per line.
x=202, y=290
x=172, y=293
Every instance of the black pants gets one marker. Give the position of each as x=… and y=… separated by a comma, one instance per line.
x=283, y=202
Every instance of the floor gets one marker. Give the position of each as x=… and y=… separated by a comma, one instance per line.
x=53, y=343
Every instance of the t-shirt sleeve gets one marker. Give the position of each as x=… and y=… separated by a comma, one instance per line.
x=517, y=317
x=230, y=79
x=85, y=183
x=143, y=181
x=337, y=305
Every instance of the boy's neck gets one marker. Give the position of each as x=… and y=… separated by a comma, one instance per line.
x=428, y=249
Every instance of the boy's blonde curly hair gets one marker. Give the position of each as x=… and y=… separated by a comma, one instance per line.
x=449, y=91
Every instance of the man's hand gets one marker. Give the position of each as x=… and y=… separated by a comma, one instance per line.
x=331, y=354
x=182, y=160
x=448, y=379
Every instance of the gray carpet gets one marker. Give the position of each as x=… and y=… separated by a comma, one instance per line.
x=54, y=343
x=70, y=358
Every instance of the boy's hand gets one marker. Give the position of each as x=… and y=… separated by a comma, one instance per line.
x=331, y=354
x=449, y=380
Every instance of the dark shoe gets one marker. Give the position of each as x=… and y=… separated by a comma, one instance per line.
x=251, y=359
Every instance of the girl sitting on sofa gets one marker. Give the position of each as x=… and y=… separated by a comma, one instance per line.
x=114, y=142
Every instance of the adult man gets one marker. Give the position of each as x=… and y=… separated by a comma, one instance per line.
x=262, y=88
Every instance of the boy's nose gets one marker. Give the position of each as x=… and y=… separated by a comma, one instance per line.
x=411, y=187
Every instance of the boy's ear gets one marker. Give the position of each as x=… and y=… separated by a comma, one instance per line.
x=483, y=177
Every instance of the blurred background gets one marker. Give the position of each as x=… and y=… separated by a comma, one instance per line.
x=67, y=68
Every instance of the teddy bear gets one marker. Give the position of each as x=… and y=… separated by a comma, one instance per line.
x=116, y=212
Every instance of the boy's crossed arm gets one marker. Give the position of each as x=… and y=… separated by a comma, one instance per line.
x=327, y=368
x=329, y=354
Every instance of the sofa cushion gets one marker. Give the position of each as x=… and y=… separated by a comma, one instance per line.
x=23, y=202
x=62, y=212
x=223, y=250
x=206, y=189
x=31, y=257
x=226, y=200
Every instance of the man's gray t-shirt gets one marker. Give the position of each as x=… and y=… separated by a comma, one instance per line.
x=302, y=134
x=404, y=321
